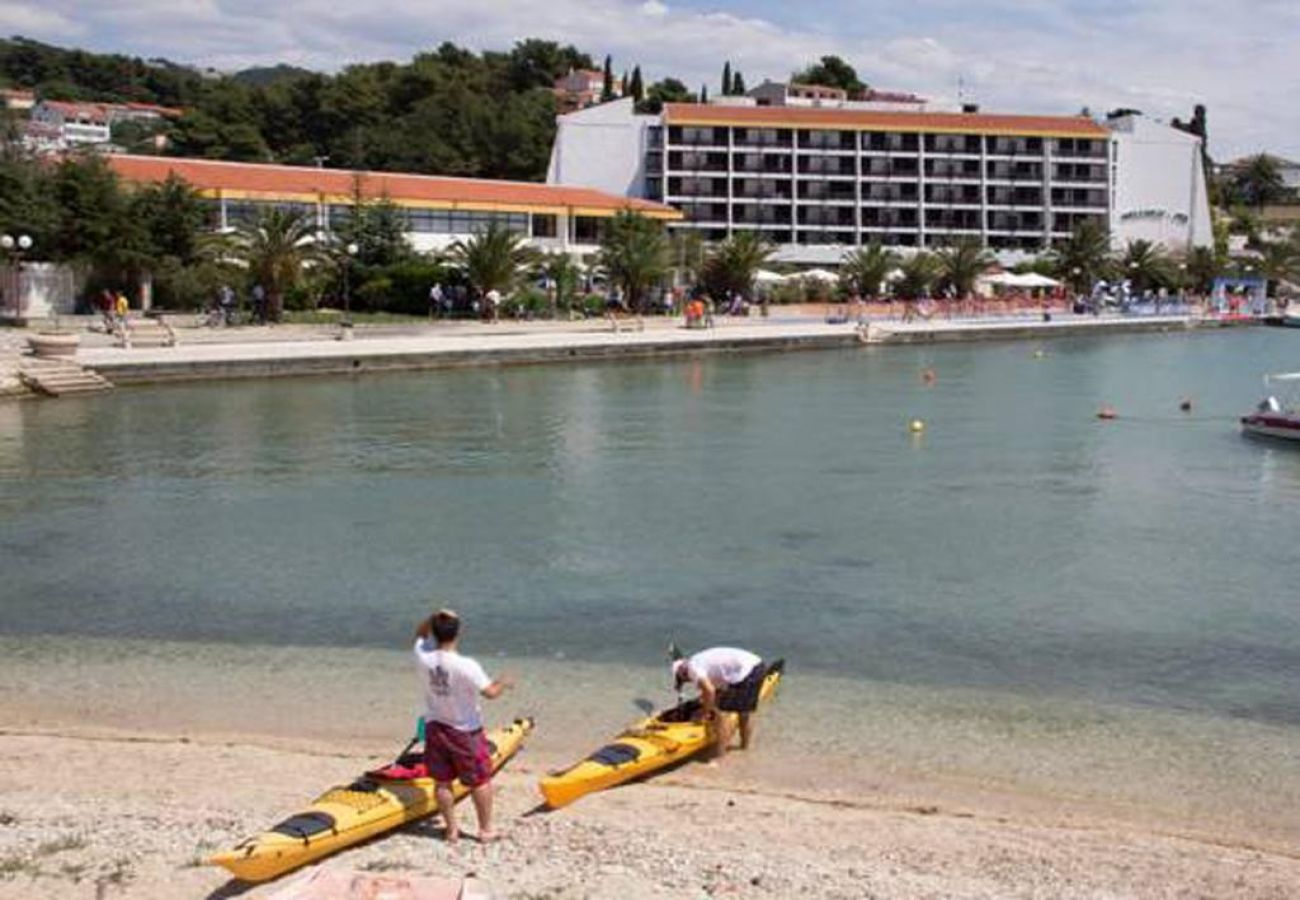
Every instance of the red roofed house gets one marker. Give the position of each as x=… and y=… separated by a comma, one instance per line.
x=582, y=88
x=60, y=124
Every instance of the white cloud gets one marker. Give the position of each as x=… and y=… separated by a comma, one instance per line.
x=1161, y=56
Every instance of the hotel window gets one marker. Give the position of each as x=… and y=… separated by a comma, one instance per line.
x=586, y=230
x=545, y=225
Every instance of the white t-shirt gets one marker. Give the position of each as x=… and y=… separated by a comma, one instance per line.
x=722, y=666
x=452, y=685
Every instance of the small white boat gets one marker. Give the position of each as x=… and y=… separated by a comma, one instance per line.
x=1291, y=318
x=1278, y=414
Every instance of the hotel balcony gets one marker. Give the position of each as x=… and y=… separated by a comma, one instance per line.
x=886, y=142
x=890, y=167
x=762, y=164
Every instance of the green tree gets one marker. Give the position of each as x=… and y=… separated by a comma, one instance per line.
x=1084, y=257
x=1257, y=181
x=607, y=86
x=492, y=260
x=27, y=204
x=1279, y=261
x=670, y=90
x=277, y=247
x=863, y=271
x=688, y=253
x=1202, y=269
x=1147, y=266
x=730, y=267
x=634, y=255
x=919, y=274
x=704, y=93
x=536, y=64
x=831, y=71
x=636, y=89
x=961, y=263
x=738, y=84
x=726, y=79
x=563, y=273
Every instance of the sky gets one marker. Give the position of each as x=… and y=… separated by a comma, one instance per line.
x=1238, y=57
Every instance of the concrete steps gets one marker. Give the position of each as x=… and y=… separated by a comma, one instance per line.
x=60, y=378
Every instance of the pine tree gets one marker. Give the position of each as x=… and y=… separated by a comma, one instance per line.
x=622, y=84
x=607, y=90
x=726, y=78
x=704, y=93
x=738, y=84
x=636, y=88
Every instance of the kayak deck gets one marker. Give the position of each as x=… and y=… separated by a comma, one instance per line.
x=346, y=815
x=662, y=740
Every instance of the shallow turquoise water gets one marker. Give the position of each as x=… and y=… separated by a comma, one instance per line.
x=596, y=512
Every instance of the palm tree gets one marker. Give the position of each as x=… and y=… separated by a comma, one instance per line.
x=276, y=247
x=731, y=266
x=1201, y=268
x=920, y=271
x=688, y=255
x=1084, y=257
x=1280, y=260
x=634, y=255
x=492, y=260
x=1257, y=181
x=863, y=271
x=1146, y=265
x=961, y=263
x=562, y=272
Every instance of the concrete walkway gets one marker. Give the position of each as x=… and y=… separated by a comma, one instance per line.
x=307, y=350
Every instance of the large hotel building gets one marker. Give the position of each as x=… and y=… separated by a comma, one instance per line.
x=822, y=176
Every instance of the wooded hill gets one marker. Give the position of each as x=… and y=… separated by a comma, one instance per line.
x=449, y=111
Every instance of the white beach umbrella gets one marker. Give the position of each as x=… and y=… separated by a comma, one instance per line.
x=820, y=275
x=767, y=276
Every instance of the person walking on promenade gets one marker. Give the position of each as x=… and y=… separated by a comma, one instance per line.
x=435, y=301
x=454, y=745
x=121, y=307
x=729, y=680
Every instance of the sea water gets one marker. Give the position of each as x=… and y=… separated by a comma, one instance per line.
x=1022, y=592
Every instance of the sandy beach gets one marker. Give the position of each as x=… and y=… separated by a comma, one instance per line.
x=84, y=816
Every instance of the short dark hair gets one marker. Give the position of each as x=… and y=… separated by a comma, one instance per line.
x=445, y=625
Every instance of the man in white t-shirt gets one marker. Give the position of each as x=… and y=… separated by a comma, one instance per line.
x=454, y=744
x=729, y=680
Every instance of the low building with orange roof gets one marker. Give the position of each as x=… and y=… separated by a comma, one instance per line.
x=438, y=210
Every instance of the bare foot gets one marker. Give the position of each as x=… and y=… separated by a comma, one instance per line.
x=490, y=837
x=451, y=837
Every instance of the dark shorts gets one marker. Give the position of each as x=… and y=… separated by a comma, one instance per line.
x=742, y=697
x=451, y=753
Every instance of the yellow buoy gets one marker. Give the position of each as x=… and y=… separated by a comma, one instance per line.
x=916, y=426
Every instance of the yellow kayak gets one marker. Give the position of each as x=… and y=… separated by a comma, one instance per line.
x=662, y=740
x=346, y=815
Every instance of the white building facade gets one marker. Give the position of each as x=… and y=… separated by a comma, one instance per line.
x=820, y=180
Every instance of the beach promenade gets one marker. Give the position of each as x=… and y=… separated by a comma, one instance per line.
x=295, y=350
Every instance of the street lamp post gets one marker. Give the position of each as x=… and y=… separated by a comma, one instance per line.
x=350, y=251
x=14, y=246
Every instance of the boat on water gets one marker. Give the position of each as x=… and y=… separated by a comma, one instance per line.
x=1278, y=414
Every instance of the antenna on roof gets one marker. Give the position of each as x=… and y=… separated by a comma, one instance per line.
x=961, y=89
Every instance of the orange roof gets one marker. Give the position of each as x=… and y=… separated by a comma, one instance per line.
x=304, y=183
x=872, y=120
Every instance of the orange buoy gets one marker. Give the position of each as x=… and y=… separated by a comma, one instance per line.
x=1107, y=412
